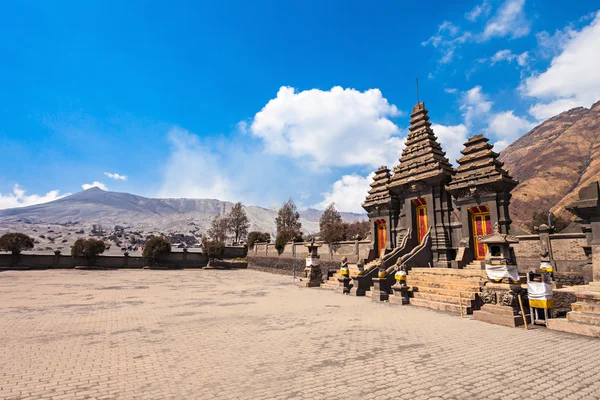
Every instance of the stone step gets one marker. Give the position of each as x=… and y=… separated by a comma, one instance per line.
x=564, y=325
x=448, y=272
x=584, y=317
x=435, y=305
x=473, y=286
x=445, y=291
x=589, y=297
x=466, y=300
x=433, y=281
x=586, y=307
x=475, y=265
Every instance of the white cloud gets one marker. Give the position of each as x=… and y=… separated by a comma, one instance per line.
x=348, y=193
x=507, y=127
x=481, y=10
x=116, y=176
x=542, y=111
x=450, y=90
x=509, y=56
x=18, y=198
x=337, y=127
x=572, y=79
x=447, y=40
x=509, y=20
x=97, y=184
x=194, y=170
x=451, y=138
x=475, y=105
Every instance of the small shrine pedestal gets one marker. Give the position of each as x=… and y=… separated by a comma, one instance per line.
x=381, y=286
x=313, y=276
x=344, y=279
x=501, y=304
x=500, y=294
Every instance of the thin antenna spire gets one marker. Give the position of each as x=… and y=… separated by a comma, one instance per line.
x=417, y=90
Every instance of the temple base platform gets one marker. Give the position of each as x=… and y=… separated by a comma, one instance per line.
x=584, y=317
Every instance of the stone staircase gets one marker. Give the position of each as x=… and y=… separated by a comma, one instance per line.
x=474, y=265
x=584, y=317
x=332, y=282
x=446, y=289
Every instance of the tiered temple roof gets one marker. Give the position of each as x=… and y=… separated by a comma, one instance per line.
x=479, y=166
x=423, y=157
x=379, y=193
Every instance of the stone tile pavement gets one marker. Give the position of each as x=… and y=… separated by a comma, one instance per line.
x=201, y=334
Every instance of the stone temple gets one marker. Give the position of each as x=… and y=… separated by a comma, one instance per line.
x=426, y=195
x=441, y=239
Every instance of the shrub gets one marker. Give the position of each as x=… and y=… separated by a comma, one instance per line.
x=15, y=242
x=212, y=248
x=280, y=242
x=258, y=237
x=88, y=248
x=155, y=247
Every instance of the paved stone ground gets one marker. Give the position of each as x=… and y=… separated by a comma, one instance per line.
x=202, y=334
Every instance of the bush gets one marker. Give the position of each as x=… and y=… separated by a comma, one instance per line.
x=280, y=242
x=88, y=248
x=212, y=248
x=15, y=242
x=155, y=247
x=258, y=237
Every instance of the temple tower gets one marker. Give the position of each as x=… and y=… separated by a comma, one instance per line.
x=382, y=208
x=481, y=188
x=419, y=182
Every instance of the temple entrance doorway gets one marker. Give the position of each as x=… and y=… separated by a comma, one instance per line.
x=381, y=235
x=421, y=217
x=482, y=225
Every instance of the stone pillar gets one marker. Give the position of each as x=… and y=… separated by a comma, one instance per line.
x=125, y=259
x=312, y=273
x=56, y=259
x=381, y=287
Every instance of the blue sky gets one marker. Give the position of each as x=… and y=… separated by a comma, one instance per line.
x=260, y=101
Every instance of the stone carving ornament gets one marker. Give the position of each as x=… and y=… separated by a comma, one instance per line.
x=488, y=297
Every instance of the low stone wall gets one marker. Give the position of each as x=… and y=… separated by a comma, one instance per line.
x=567, y=250
x=285, y=265
x=353, y=250
x=174, y=260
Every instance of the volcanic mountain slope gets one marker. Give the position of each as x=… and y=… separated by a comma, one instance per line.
x=552, y=162
x=96, y=206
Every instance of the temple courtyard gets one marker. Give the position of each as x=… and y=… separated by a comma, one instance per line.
x=208, y=334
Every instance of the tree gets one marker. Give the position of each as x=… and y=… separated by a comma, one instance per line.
x=88, y=248
x=333, y=232
x=155, y=247
x=288, y=221
x=330, y=215
x=258, y=237
x=288, y=225
x=358, y=229
x=541, y=217
x=16, y=243
x=212, y=248
x=218, y=229
x=238, y=221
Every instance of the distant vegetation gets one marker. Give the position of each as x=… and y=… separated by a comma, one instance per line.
x=88, y=248
x=258, y=237
x=155, y=247
x=288, y=225
x=541, y=217
x=16, y=242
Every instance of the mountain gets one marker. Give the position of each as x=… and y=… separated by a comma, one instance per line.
x=552, y=162
x=98, y=207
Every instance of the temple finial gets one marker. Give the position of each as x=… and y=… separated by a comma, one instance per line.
x=417, y=90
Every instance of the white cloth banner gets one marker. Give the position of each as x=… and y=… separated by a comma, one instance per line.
x=539, y=291
x=496, y=272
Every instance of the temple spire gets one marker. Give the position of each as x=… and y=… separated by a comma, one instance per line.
x=423, y=157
